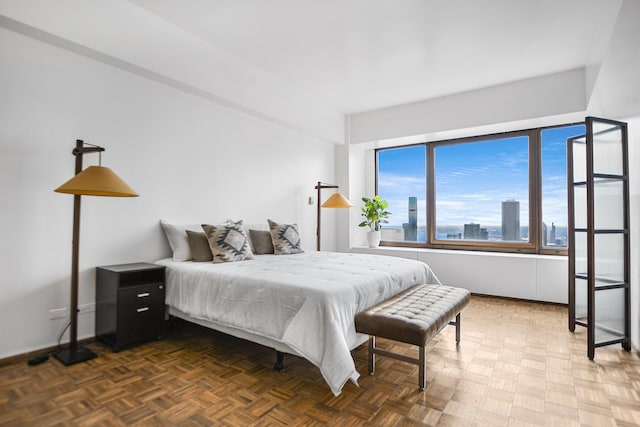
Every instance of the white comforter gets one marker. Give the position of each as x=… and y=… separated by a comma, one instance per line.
x=307, y=301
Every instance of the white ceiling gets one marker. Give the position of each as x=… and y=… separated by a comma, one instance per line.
x=360, y=55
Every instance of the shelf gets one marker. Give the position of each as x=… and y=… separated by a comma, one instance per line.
x=601, y=178
x=606, y=335
x=604, y=283
x=603, y=231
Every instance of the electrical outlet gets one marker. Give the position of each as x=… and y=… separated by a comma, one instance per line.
x=87, y=308
x=58, y=313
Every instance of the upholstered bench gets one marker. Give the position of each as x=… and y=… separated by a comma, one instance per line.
x=413, y=317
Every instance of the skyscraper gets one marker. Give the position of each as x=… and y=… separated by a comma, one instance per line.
x=511, y=220
x=472, y=231
x=411, y=228
x=475, y=232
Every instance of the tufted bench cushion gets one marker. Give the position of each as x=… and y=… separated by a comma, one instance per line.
x=413, y=317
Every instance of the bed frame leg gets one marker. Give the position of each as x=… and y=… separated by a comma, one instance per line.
x=279, y=365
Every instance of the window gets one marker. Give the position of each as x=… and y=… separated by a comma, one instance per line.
x=504, y=192
x=482, y=190
x=402, y=182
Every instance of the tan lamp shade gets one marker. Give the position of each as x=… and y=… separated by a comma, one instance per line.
x=337, y=200
x=97, y=181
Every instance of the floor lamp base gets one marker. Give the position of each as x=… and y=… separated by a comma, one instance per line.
x=77, y=355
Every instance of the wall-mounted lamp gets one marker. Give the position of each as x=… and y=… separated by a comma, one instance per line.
x=93, y=181
x=336, y=200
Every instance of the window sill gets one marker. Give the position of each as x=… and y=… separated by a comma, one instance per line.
x=408, y=250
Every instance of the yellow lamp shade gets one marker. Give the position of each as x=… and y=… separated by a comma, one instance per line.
x=97, y=181
x=337, y=200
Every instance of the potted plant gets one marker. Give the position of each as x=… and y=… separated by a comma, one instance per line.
x=374, y=210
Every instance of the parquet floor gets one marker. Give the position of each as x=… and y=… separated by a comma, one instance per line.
x=517, y=365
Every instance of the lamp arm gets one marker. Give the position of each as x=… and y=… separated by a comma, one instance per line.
x=322, y=185
x=84, y=150
x=81, y=148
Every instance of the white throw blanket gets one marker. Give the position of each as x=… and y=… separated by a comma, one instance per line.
x=307, y=301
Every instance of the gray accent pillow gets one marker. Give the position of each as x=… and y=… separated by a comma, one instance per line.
x=228, y=242
x=285, y=238
x=199, y=246
x=261, y=240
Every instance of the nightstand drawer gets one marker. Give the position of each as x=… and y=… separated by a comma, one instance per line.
x=133, y=298
x=140, y=313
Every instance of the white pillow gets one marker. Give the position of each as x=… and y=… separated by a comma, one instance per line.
x=177, y=237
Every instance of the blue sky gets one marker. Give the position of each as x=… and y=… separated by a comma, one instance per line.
x=473, y=179
x=401, y=174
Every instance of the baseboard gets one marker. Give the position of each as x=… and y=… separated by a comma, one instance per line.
x=559, y=304
x=24, y=357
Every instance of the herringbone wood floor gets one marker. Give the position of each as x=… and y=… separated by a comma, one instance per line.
x=517, y=365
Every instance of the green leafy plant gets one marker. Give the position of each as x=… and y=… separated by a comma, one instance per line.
x=374, y=210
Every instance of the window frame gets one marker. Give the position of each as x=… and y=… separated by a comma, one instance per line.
x=534, y=246
x=426, y=195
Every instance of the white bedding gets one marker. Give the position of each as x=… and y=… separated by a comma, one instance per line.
x=305, y=301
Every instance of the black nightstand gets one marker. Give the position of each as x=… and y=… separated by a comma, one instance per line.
x=129, y=304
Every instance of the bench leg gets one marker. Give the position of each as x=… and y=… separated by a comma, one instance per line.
x=422, y=367
x=372, y=355
x=458, y=328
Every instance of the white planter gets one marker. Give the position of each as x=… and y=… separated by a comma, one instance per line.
x=373, y=238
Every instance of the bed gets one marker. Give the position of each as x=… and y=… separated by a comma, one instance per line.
x=302, y=304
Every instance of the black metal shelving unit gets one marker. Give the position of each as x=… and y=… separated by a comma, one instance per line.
x=599, y=247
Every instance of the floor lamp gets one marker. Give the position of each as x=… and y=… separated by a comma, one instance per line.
x=93, y=181
x=336, y=200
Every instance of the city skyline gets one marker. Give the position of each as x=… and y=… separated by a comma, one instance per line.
x=473, y=179
x=509, y=230
x=493, y=233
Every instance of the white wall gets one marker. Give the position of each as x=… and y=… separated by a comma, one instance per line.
x=509, y=102
x=190, y=160
x=149, y=45
x=531, y=277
